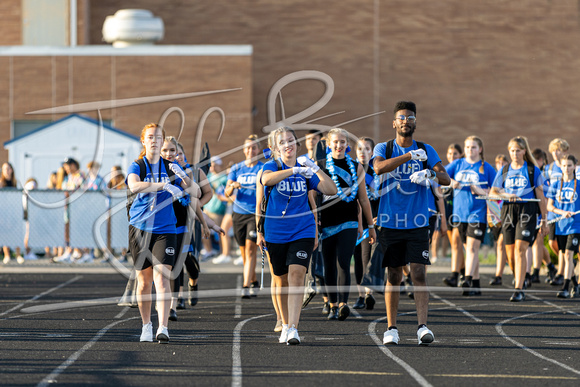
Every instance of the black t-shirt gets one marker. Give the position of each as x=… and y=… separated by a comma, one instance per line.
x=335, y=211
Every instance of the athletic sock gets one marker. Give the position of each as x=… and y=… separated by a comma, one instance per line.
x=392, y=327
x=462, y=271
x=566, y=285
x=551, y=266
x=536, y=271
x=421, y=326
x=455, y=274
x=575, y=280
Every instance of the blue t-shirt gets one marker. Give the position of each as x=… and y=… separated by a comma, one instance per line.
x=404, y=205
x=566, y=199
x=153, y=211
x=518, y=181
x=552, y=174
x=245, y=202
x=289, y=195
x=466, y=208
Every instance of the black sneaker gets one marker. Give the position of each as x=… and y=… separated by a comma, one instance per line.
x=180, y=303
x=193, y=295
x=359, y=304
x=518, y=296
x=254, y=289
x=343, y=312
x=333, y=315
x=370, y=301
x=558, y=280
x=466, y=286
x=535, y=278
x=551, y=274
x=564, y=293
x=451, y=281
x=575, y=293
x=496, y=281
x=172, y=315
x=326, y=308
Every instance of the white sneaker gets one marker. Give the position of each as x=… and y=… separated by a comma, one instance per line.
x=246, y=293
x=20, y=259
x=206, y=255
x=293, y=338
x=425, y=336
x=65, y=258
x=30, y=256
x=147, y=333
x=76, y=255
x=239, y=261
x=221, y=259
x=86, y=258
x=162, y=335
x=284, y=335
x=391, y=336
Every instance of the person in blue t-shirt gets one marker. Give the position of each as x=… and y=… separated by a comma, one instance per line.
x=289, y=226
x=558, y=148
x=519, y=217
x=471, y=176
x=242, y=177
x=563, y=201
x=152, y=239
x=404, y=215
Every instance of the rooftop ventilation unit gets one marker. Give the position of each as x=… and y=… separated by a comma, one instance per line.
x=130, y=27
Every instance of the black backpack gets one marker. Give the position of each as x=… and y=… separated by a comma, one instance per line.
x=142, y=173
x=264, y=202
x=420, y=145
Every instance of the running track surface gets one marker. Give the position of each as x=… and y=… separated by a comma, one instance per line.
x=51, y=333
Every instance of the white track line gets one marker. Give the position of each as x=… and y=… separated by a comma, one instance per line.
x=238, y=303
x=500, y=330
x=42, y=294
x=122, y=313
x=410, y=370
x=236, y=349
x=51, y=378
x=457, y=308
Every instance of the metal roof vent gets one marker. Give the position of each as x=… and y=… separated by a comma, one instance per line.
x=130, y=27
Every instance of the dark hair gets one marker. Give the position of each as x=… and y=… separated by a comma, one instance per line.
x=540, y=155
x=316, y=132
x=367, y=139
x=405, y=105
x=457, y=147
x=71, y=161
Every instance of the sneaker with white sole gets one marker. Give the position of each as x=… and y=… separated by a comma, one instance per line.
x=425, y=336
x=76, y=255
x=86, y=258
x=147, y=333
x=221, y=259
x=6, y=259
x=284, y=334
x=20, y=259
x=207, y=255
x=391, y=337
x=239, y=261
x=30, y=256
x=65, y=258
x=293, y=338
x=162, y=335
x=246, y=293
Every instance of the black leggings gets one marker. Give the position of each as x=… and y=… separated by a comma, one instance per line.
x=338, y=249
x=362, y=257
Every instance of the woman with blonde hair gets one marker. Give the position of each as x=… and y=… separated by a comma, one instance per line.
x=471, y=176
x=289, y=226
x=520, y=185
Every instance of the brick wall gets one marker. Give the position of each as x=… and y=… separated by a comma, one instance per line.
x=496, y=68
x=10, y=22
x=44, y=82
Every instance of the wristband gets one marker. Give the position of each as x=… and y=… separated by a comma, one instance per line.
x=371, y=226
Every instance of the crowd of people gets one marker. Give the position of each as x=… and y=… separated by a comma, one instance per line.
x=310, y=211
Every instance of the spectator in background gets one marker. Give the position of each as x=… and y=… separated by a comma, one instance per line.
x=52, y=180
x=8, y=180
x=216, y=207
x=30, y=185
x=94, y=181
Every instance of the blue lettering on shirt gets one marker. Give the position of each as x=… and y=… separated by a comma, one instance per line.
x=245, y=202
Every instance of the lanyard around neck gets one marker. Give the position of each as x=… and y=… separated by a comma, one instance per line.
x=147, y=165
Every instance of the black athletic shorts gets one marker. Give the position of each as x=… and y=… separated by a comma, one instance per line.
x=297, y=252
x=402, y=246
x=472, y=230
x=495, y=232
x=150, y=249
x=552, y=231
x=244, y=228
x=518, y=222
x=568, y=242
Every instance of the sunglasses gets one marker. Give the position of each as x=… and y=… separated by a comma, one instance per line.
x=408, y=118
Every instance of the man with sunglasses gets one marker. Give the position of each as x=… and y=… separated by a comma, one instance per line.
x=409, y=169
